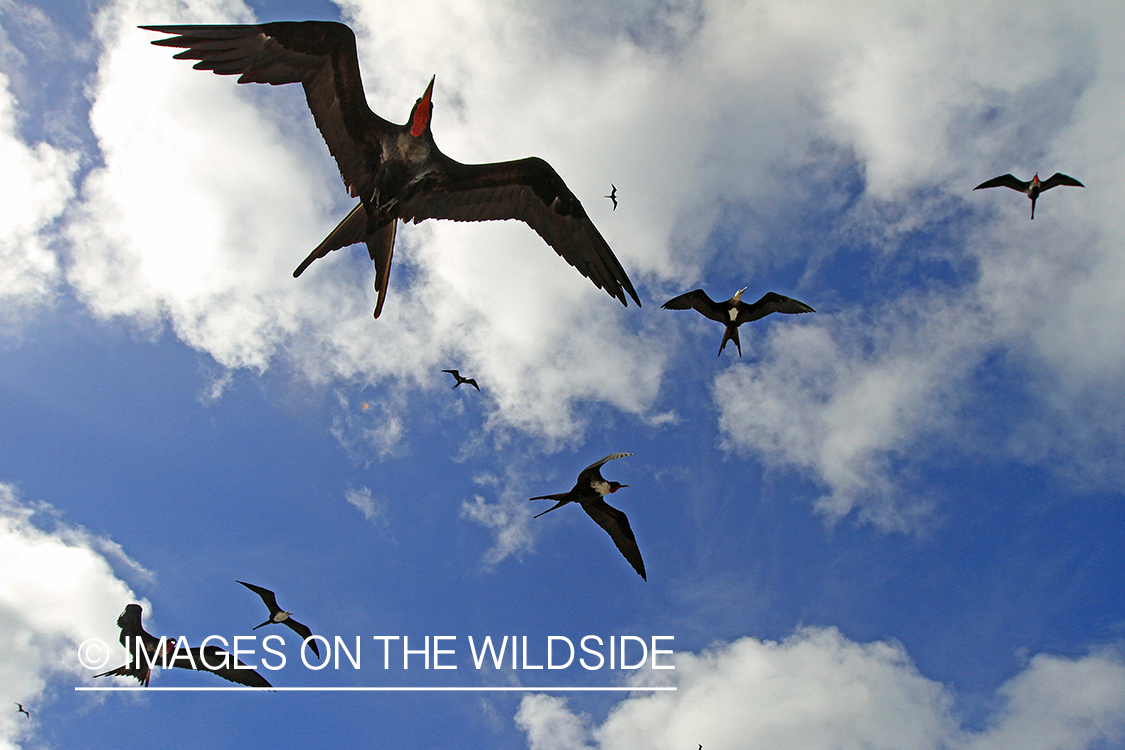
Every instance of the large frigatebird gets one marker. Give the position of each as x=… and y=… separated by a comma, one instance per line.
x=457, y=376
x=589, y=492
x=1031, y=189
x=147, y=654
x=277, y=614
x=734, y=312
x=21, y=710
x=396, y=171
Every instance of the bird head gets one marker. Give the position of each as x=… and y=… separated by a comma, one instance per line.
x=422, y=112
x=615, y=486
x=1035, y=179
x=738, y=295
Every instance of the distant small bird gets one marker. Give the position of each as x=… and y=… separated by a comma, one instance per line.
x=277, y=614
x=1031, y=189
x=22, y=710
x=612, y=195
x=589, y=492
x=734, y=312
x=205, y=659
x=461, y=380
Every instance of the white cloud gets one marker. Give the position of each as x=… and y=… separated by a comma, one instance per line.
x=59, y=589
x=373, y=509
x=508, y=518
x=724, y=126
x=817, y=689
x=33, y=193
x=848, y=396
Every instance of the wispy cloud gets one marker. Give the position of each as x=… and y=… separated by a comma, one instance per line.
x=373, y=509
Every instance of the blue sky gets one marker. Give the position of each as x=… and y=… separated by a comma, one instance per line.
x=891, y=524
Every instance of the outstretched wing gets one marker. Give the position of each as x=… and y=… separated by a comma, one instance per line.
x=616, y=524
x=213, y=659
x=268, y=596
x=321, y=56
x=770, y=302
x=1005, y=180
x=1058, y=178
x=528, y=190
x=697, y=299
x=304, y=631
x=598, y=464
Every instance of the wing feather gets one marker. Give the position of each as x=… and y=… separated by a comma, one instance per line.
x=698, y=300
x=1058, y=178
x=616, y=524
x=320, y=55
x=528, y=190
x=1005, y=180
x=771, y=302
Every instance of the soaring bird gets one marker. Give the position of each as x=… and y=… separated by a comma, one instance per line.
x=21, y=710
x=1031, y=189
x=612, y=196
x=589, y=491
x=457, y=376
x=734, y=312
x=396, y=171
x=146, y=654
x=277, y=614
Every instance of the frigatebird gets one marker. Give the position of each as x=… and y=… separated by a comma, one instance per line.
x=396, y=171
x=277, y=614
x=734, y=312
x=612, y=195
x=589, y=492
x=21, y=710
x=1031, y=189
x=457, y=376
x=147, y=654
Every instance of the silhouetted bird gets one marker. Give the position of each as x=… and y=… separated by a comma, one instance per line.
x=277, y=614
x=21, y=710
x=734, y=312
x=589, y=492
x=397, y=171
x=612, y=195
x=147, y=654
x=461, y=380
x=1031, y=189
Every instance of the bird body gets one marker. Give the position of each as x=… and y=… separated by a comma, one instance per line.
x=457, y=376
x=278, y=615
x=734, y=312
x=396, y=171
x=1031, y=189
x=21, y=710
x=589, y=492
x=612, y=195
x=147, y=651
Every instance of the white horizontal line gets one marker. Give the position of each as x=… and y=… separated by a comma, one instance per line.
x=507, y=689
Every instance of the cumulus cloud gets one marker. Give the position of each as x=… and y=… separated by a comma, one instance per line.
x=817, y=689
x=60, y=589
x=851, y=398
x=725, y=126
x=34, y=192
x=212, y=192
x=854, y=399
